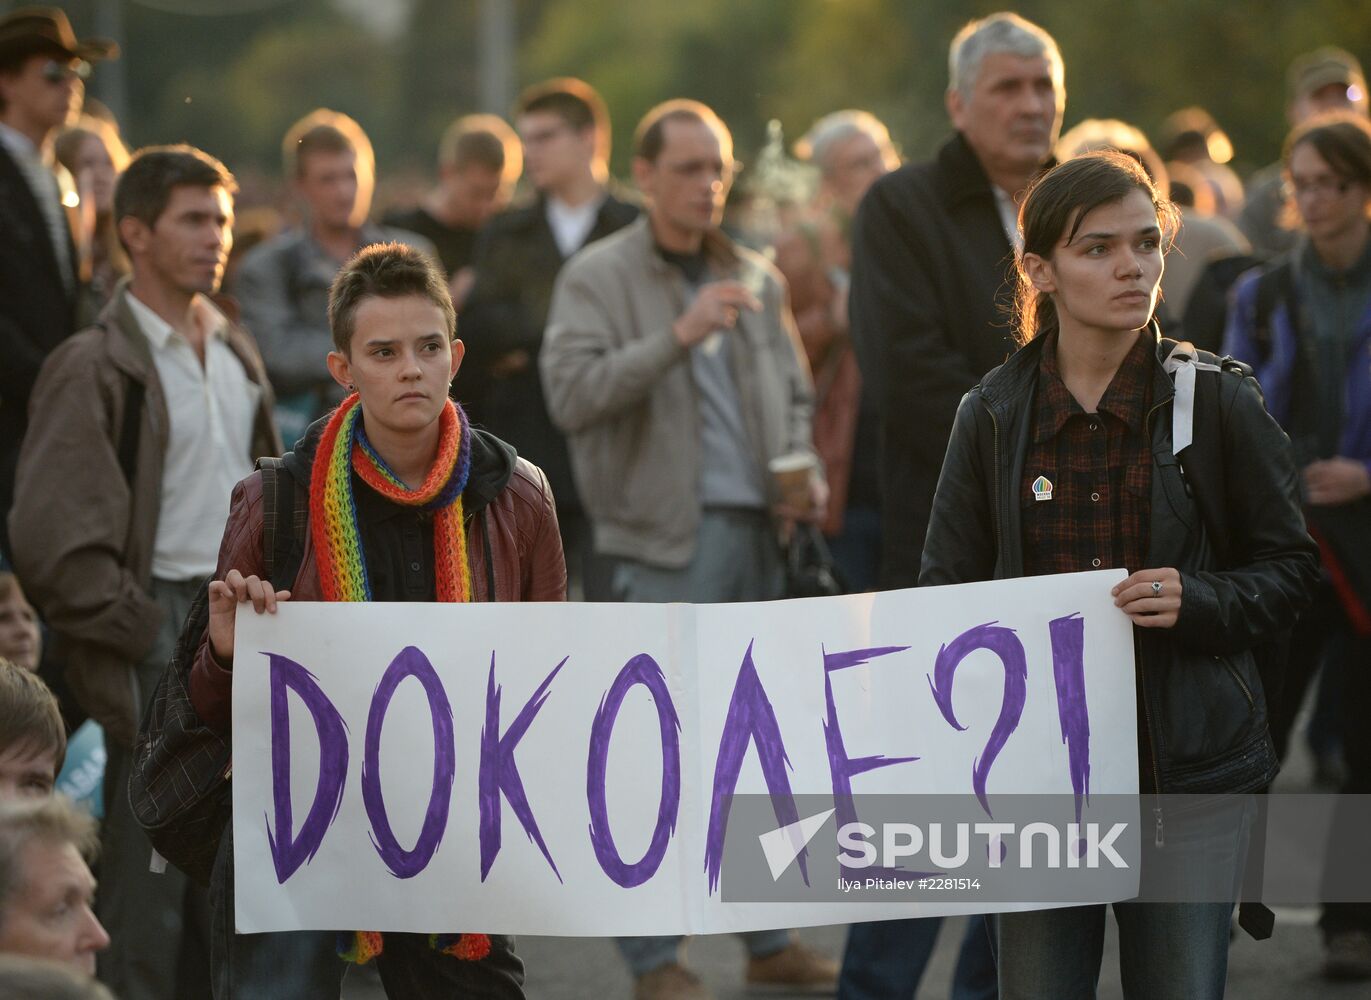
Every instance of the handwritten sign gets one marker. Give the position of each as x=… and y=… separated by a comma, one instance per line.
x=570, y=768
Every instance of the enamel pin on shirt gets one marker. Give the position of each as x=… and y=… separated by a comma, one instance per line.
x=1042, y=488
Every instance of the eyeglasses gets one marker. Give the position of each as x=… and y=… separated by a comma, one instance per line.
x=58, y=72
x=1318, y=187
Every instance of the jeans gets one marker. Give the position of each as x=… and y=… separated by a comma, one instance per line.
x=737, y=558
x=138, y=906
x=1167, y=951
x=304, y=965
x=857, y=550
x=885, y=960
x=643, y=954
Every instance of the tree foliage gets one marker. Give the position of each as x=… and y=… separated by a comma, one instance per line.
x=233, y=81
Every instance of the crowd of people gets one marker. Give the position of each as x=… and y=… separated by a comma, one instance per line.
x=601, y=392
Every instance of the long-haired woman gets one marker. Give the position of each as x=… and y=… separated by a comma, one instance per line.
x=1064, y=459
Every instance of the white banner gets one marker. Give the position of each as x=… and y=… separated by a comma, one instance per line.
x=567, y=769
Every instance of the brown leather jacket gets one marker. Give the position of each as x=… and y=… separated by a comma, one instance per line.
x=510, y=507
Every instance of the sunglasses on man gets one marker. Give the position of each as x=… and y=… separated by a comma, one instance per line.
x=55, y=71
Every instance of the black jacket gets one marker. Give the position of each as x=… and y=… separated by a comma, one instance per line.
x=930, y=291
x=516, y=265
x=1203, y=702
x=37, y=312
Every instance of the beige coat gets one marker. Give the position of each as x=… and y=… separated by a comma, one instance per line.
x=619, y=384
x=82, y=535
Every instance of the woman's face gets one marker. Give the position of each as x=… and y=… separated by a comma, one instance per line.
x=1329, y=204
x=95, y=173
x=1106, y=278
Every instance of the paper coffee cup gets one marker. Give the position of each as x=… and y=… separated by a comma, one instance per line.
x=792, y=474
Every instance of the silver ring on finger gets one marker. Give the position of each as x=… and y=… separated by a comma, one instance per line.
x=1156, y=588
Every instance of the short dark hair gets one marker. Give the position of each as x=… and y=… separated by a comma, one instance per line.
x=1342, y=138
x=388, y=271
x=484, y=140
x=324, y=131
x=29, y=715
x=1055, y=206
x=650, y=136
x=575, y=102
x=145, y=186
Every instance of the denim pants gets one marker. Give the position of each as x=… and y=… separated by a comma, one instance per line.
x=1167, y=950
x=737, y=558
x=885, y=960
x=138, y=906
x=304, y=965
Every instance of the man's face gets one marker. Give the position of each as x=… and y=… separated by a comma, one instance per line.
x=401, y=361
x=20, y=641
x=27, y=771
x=476, y=192
x=45, y=91
x=49, y=914
x=336, y=188
x=187, y=247
x=688, y=183
x=1012, y=115
x=1330, y=205
x=853, y=166
x=555, y=152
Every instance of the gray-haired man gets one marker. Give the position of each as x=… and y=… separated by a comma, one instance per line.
x=932, y=247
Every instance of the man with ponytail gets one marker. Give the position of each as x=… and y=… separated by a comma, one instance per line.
x=406, y=502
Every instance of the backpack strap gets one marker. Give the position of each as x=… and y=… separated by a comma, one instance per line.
x=285, y=508
x=1273, y=285
x=1197, y=376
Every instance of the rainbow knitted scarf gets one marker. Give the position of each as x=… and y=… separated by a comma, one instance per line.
x=343, y=449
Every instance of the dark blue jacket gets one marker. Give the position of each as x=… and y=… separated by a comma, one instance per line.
x=1263, y=331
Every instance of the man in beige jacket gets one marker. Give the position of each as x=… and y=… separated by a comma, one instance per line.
x=672, y=363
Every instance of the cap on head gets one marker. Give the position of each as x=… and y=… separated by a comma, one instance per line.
x=32, y=30
x=1315, y=70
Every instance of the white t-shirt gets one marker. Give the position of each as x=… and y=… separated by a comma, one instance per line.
x=212, y=408
x=571, y=224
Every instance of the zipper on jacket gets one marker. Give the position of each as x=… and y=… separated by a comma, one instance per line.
x=1233, y=671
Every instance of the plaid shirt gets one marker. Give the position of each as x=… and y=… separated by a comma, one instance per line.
x=1087, y=476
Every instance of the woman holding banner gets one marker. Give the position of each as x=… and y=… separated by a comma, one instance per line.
x=1064, y=459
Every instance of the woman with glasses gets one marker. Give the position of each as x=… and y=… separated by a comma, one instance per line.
x=1304, y=323
x=1064, y=459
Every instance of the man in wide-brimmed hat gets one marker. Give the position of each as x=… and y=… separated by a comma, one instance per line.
x=42, y=69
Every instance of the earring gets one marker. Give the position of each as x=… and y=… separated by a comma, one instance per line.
x=351, y=387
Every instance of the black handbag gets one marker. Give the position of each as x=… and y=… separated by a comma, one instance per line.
x=809, y=567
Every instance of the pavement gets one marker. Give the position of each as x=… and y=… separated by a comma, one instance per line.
x=1285, y=967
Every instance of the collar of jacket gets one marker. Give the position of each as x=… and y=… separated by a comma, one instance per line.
x=719, y=250
x=128, y=347
x=1010, y=387
x=964, y=179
